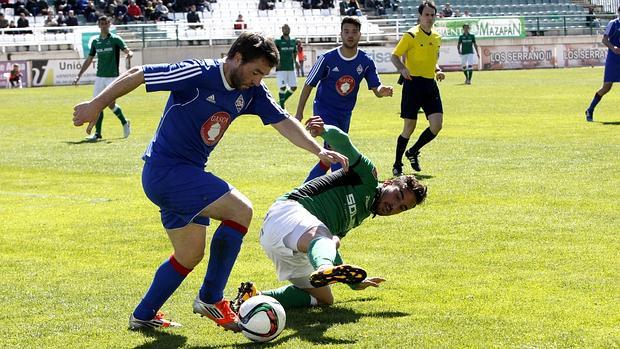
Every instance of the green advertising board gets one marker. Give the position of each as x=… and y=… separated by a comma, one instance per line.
x=482, y=28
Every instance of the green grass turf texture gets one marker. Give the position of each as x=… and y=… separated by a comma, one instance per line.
x=516, y=247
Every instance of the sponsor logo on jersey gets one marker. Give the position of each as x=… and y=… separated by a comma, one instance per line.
x=213, y=129
x=239, y=103
x=211, y=99
x=359, y=69
x=345, y=85
x=352, y=208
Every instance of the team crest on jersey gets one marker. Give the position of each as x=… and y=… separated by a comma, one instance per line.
x=359, y=69
x=345, y=85
x=239, y=103
x=213, y=129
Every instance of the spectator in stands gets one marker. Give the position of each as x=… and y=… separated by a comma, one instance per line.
x=393, y=4
x=31, y=6
x=72, y=20
x=120, y=13
x=90, y=13
x=15, y=76
x=60, y=5
x=21, y=8
x=192, y=17
x=420, y=46
x=239, y=25
x=457, y=13
x=611, y=40
x=50, y=21
x=11, y=26
x=342, y=6
x=447, y=10
x=43, y=8
x=149, y=12
x=466, y=14
x=22, y=22
x=161, y=11
x=301, y=58
x=134, y=13
x=306, y=4
x=4, y=23
x=265, y=5
x=61, y=19
x=353, y=8
x=206, y=6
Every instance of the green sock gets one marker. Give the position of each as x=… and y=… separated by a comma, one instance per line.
x=322, y=251
x=287, y=94
x=290, y=297
x=119, y=113
x=282, y=98
x=99, y=124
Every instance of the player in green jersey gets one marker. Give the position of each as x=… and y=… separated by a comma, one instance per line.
x=301, y=232
x=285, y=72
x=107, y=48
x=466, y=45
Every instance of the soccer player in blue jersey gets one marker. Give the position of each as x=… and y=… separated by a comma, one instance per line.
x=338, y=74
x=611, y=39
x=205, y=97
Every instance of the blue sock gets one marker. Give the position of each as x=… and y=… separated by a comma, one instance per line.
x=225, y=246
x=167, y=279
x=594, y=102
x=317, y=171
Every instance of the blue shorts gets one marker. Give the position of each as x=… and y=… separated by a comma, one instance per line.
x=612, y=70
x=182, y=192
x=341, y=121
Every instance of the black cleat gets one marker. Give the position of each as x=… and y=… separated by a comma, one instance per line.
x=589, y=115
x=413, y=159
x=345, y=273
x=397, y=170
x=246, y=291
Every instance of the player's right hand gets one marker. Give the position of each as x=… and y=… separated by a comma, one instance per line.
x=85, y=112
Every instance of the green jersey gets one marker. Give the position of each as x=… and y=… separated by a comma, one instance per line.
x=467, y=42
x=288, y=51
x=341, y=200
x=108, y=51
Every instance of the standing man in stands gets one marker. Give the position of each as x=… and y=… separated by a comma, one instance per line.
x=107, y=48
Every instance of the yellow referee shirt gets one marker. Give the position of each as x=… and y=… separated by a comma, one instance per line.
x=422, y=51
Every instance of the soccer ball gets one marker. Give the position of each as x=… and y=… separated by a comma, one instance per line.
x=261, y=318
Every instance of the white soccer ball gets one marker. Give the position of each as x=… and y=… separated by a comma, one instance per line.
x=261, y=318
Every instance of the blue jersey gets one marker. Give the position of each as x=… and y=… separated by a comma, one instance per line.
x=339, y=80
x=613, y=33
x=201, y=107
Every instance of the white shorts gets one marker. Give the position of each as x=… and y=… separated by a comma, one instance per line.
x=285, y=218
x=286, y=78
x=101, y=84
x=467, y=60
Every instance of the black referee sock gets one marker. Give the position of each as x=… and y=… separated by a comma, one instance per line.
x=401, y=146
x=425, y=137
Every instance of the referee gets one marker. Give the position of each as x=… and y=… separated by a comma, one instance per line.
x=420, y=47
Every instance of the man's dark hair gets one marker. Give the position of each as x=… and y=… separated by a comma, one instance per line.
x=426, y=3
x=103, y=19
x=351, y=20
x=253, y=46
x=411, y=184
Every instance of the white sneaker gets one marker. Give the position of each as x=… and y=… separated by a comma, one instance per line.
x=127, y=129
x=93, y=137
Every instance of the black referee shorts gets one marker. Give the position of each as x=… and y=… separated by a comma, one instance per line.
x=419, y=93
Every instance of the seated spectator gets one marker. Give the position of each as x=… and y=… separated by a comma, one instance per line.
x=265, y=5
x=31, y=6
x=60, y=5
x=466, y=14
x=72, y=20
x=19, y=9
x=353, y=8
x=192, y=17
x=22, y=21
x=4, y=23
x=134, y=13
x=342, y=6
x=239, y=25
x=149, y=12
x=50, y=21
x=11, y=25
x=120, y=12
x=15, y=76
x=327, y=4
x=393, y=4
x=306, y=4
x=60, y=19
x=161, y=11
x=457, y=13
x=90, y=13
x=43, y=7
x=447, y=10
x=206, y=6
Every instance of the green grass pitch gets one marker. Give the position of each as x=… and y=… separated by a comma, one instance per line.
x=516, y=247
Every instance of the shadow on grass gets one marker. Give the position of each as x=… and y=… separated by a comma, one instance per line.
x=162, y=340
x=610, y=122
x=88, y=141
x=310, y=325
